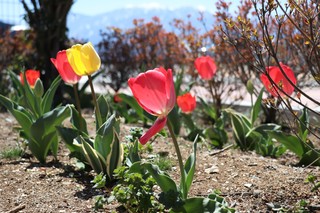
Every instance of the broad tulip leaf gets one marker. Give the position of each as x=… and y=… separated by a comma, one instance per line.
x=47, y=100
x=54, y=145
x=304, y=123
x=131, y=101
x=104, y=108
x=209, y=110
x=16, y=83
x=76, y=119
x=174, y=119
x=188, y=121
x=263, y=128
x=239, y=129
x=200, y=204
x=104, y=137
x=311, y=157
x=40, y=148
x=47, y=123
x=293, y=143
x=190, y=165
x=256, y=108
x=23, y=117
x=92, y=156
x=68, y=135
x=32, y=101
x=115, y=157
x=164, y=181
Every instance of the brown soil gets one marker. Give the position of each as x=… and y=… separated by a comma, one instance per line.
x=250, y=183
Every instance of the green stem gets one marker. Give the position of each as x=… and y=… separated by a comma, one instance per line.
x=97, y=111
x=182, y=172
x=211, y=90
x=78, y=105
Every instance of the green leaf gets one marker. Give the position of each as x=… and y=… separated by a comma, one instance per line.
x=293, y=143
x=133, y=104
x=76, y=119
x=68, y=135
x=54, y=145
x=200, y=204
x=174, y=119
x=190, y=165
x=47, y=123
x=16, y=83
x=264, y=128
x=104, y=107
x=23, y=117
x=304, y=123
x=256, y=108
x=104, y=137
x=209, y=110
x=311, y=157
x=93, y=157
x=115, y=157
x=40, y=148
x=188, y=121
x=239, y=129
x=164, y=181
x=47, y=100
x=31, y=100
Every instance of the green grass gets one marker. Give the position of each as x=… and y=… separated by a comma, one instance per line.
x=164, y=163
x=11, y=153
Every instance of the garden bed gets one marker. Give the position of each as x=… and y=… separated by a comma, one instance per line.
x=247, y=181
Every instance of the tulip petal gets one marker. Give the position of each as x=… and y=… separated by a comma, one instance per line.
x=156, y=127
x=170, y=90
x=149, y=90
x=90, y=58
x=64, y=68
x=277, y=76
x=74, y=58
x=206, y=67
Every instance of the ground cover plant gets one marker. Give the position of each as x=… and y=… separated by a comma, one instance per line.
x=218, y=158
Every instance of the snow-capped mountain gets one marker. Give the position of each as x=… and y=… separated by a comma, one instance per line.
x=89, y=27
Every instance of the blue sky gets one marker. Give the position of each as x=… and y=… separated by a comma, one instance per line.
x=101, y=6
x=12, y=11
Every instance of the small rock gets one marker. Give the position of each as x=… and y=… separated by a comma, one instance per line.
x=213, y=169
x=248, y=185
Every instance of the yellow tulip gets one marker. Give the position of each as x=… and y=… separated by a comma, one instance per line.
x=83, y=59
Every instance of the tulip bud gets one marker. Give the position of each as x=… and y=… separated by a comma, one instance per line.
x=38, y=88
x=250, y=87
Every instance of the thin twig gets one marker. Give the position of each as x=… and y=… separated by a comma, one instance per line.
x=17, y=209
x=221, y=150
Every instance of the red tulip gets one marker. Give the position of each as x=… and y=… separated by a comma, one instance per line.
x=116, y=98
x=154, y=91
x=276, y=75
x=31, y=76
x=206, y=67
x=64, y=68
x=187, y=103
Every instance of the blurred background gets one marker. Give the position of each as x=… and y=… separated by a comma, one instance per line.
x=87, y=18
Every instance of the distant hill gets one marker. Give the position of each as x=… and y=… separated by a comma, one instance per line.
x=89, y=27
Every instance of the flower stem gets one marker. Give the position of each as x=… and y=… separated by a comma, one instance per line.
x=182, y=172
x=97, y=110
x=78, y=105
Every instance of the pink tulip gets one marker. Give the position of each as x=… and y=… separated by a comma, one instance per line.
x=277, y=76
x=206, y=67
x=154, y=91
x=64, y=68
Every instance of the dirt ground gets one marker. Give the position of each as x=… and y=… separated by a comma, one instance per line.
x=249, y=183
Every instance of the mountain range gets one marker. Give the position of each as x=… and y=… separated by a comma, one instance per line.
x=89, y=27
